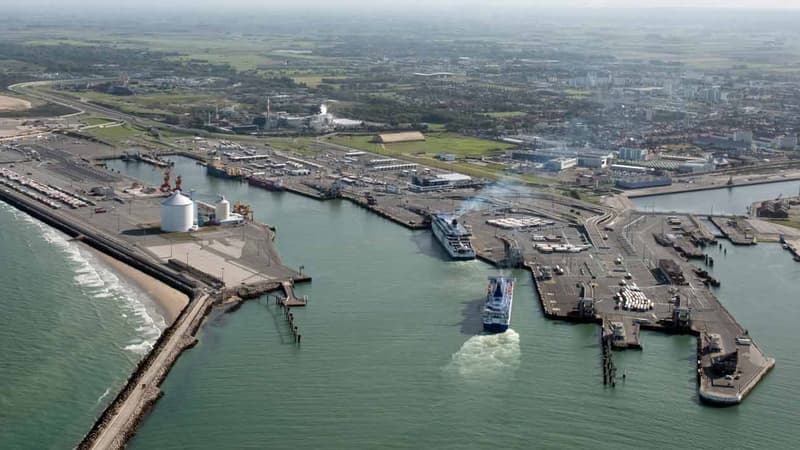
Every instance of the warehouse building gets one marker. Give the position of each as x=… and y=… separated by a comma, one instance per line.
x=422, y=183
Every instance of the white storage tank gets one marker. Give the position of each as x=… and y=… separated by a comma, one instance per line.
x=223, y=210
x=195, y=217
x=176, y=213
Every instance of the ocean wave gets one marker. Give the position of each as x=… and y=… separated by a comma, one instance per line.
x=486, y=357
x=98, y=281
x=140, y=348
x=99, y=399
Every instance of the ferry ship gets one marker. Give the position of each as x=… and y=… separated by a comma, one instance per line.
x=497, y=309
x=266, y=183
x=452, y=235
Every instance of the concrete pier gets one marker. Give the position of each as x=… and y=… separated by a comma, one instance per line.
x=291, y=300
x=736, y=230
x=670, y=297
x=622, y=331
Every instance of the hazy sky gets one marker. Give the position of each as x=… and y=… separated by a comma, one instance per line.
x=396, y=4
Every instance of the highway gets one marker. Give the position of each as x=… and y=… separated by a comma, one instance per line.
x=29, y=89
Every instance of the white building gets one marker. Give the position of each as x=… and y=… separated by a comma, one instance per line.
x=559, y=164
x=696, y=166
x=633, y=154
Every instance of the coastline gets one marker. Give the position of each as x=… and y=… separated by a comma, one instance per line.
x=169, y=301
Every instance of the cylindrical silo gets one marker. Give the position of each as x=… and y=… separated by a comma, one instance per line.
x=195, y=217
x=223, y=210
x=176, y=213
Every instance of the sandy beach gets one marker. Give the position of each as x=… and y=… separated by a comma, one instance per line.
x=169, y=301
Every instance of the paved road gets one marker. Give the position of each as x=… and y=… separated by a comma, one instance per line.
x=29, y=89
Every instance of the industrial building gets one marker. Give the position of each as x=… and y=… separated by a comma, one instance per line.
x=533, y=155
x=630, y=169
x=696, y=166
x=594, y=160
x=559, y=164
x=422, y=183
x=180, y=214
x=721, y=143
x=634, y=154
x=786, y=142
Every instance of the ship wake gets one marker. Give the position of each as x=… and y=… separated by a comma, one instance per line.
x=486, y=357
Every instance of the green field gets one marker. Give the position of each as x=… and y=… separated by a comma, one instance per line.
x=95, y=120
x=315, y=80
x=113, y=132
x=506, y=114
x=144, y=104
x=424, y=152
x=435, y=143
x=436, y=127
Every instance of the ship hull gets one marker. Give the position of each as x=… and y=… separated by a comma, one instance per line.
x=495, y=327
x=268, y=185
x=220, y=173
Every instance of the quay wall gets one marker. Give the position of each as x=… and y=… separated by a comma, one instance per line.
x=361, y=203
x=706, y=188
x=385, y=214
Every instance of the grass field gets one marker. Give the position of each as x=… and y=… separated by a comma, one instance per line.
x=115, y=132
x=144, y=104
x=434, y=144
x=315, y=80
x=506, y=114
x=95, y=120
x=423, y=153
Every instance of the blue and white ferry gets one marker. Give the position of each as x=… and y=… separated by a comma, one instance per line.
x=497, y=309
